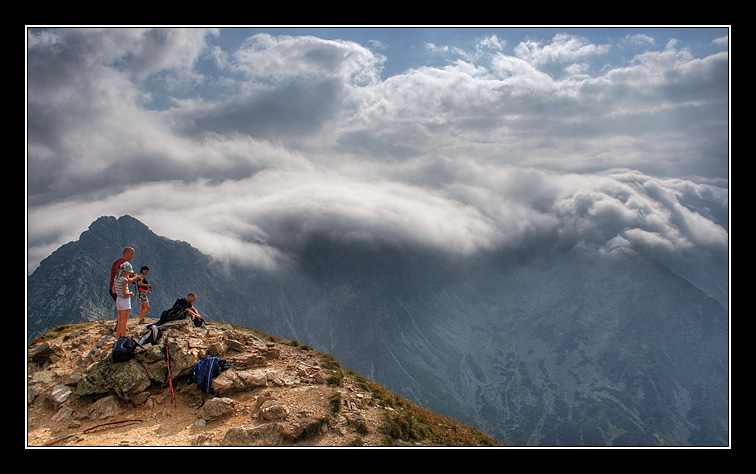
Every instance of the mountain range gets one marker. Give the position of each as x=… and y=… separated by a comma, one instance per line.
x=560, y=348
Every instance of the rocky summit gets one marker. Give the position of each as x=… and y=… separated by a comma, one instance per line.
x=270, y=393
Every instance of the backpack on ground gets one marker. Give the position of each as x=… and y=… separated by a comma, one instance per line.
x=203, y=372
x=123, y=349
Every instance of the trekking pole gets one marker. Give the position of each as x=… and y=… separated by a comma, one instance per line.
x=170, y=379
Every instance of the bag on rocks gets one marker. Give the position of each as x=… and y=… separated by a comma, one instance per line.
x=123, y=349
x=202, y=372
x=152, y=336
x=171, y=314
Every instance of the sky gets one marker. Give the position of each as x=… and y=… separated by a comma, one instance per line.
x=244, y=142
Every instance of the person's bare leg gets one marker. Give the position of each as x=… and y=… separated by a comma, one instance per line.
x=143, y=309
x=123, y=319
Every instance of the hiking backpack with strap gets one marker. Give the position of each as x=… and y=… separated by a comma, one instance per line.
x=174, y=313
x=203, y=372
x=152, y=336
x=123, y=349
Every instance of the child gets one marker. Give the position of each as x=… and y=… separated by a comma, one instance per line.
x=124, y=276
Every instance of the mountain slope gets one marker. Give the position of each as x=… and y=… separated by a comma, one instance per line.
x=558, y=350
x=565, y=348
x=275, y=393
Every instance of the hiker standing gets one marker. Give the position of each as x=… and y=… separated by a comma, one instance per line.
x=143, y=289
x=124, y=276
x=128, y=254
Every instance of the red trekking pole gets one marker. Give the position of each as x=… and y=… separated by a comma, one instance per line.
x=170, y=379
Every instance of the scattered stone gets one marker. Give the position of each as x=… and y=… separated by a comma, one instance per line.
x=267, y=434
x=31, y=394
x=227, y=382
x=64, y=413
x=105, y=407
x=140, y=398
x=203, y=439
x=60, y=393
x=272, y=410
x=235, y=345
x=253, y=378
x=43, y=376
x=217, y=408
x=247, y=360
x=45, y=353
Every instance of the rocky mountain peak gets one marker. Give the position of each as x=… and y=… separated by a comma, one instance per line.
x=273, y=393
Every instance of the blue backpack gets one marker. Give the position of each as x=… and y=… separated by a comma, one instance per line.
x=123, y=349
x=202, y=372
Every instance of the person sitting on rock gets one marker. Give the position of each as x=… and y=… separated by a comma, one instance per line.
x=181, y=308
x=188, y=304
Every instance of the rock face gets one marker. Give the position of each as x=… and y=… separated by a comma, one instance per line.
x=272, y=393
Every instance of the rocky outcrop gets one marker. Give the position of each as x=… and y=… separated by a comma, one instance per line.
x=273, y=393
x=186, y=345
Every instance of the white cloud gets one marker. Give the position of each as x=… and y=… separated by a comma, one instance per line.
x=564, y=48
x=492, y=42
x=641, y=40
x=722, y=41
x=284, y=57
x=490, y=152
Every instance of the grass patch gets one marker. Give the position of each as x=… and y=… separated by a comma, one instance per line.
x=59, y=331
x=410, y=424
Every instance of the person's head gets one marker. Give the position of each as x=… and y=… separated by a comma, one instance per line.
x=144, y=270
x=125, y=269
x=128, y=253
x=191, y=297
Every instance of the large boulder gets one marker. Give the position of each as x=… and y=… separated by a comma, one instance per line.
x=125, y=379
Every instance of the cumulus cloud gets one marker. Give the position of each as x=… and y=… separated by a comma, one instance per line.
x=301, y=137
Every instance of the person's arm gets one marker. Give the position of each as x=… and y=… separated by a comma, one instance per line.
x=193, y=312
x=126, y=290
x=134, y=278
x=112, y=278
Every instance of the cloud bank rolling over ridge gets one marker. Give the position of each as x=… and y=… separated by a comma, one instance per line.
x=245, y=148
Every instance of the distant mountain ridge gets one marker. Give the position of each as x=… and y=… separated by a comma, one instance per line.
x=555, y=349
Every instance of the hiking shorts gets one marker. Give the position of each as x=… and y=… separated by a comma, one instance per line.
x=143, y=297
x=123, y=303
